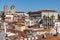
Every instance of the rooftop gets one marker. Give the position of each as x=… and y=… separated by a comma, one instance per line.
x=46, y=11
x=35, y=12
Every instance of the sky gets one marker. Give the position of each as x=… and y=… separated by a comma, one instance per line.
x=31, y=5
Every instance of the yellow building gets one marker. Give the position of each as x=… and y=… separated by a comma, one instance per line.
x=22, y=28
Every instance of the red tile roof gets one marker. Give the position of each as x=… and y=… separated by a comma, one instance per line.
x=38, y=12
x=20, y=33
x=20, y=12
x=1, y=29
x=48, y=30
x=46, y=11
x=57, y=20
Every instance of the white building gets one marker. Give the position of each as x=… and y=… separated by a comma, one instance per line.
x=48, y=17
x=57, y=25
x=29, y=22
x=49, y=13
x=9, y=18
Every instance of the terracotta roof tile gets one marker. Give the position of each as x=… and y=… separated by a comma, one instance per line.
x=20, y=12
x=46, y=11
x=16, y=31
x=48, y=30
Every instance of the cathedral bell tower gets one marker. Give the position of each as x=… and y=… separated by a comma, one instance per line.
x=12, y=9
x=5, y=9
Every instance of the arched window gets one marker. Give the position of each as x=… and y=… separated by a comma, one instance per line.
x=44, y=17
x=52, y=16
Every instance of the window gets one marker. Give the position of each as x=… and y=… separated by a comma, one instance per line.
x=0, y=25
x=13, y=27
x=27, y=22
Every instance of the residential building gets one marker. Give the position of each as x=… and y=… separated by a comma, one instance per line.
x=48, y=17
x=57, y=25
